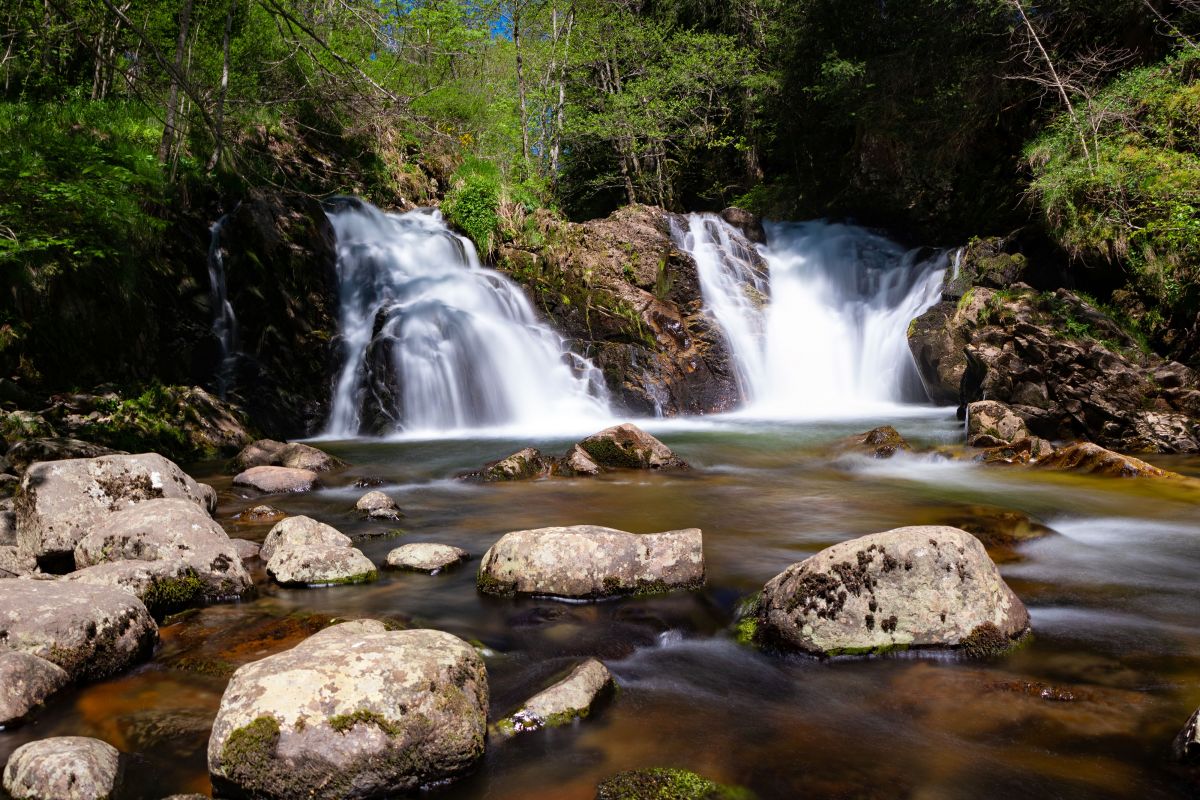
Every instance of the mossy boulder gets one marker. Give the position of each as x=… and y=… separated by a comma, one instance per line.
x=522, y=465
x=627, y=446
x=882, y=442
x=667, y=784
x=301, y=530
x=571, y=698
x=922, y=587
x=354, y=711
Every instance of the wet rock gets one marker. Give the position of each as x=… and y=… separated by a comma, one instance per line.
x=993, y=424
x=26, y=452
x=63, y=768
x=367, y=483
x=319, y=565
x=1022, y=451
x=426, y=557
x=8, y=485
x=301, y=531
x=578, y=462
x=676, y=784
x=997, y=527
x=882, y=442
x=750, y=225
x=92, y=632
x=162, y=586
x=270, y=453
x=353, y=711
x=629, y=447
x=1186, y=746
x=377, y=505
x=25, y=683
x=246, y=549
x=14, y=562
x=521, y=465
x=205, y=563
x=59, y=501
x=588, y=561
x=261, y=514
x=1093, y=459
x=916, y=587
x=569, y=699
x=277, y=480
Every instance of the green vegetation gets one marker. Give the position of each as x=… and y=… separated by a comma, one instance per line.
x=667, y=784
x=344, y=722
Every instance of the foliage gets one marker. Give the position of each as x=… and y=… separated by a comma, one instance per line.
x=473, y=201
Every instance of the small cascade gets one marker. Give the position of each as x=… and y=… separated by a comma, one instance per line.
x=224, y=323
x=832, y=339
x=434, y=342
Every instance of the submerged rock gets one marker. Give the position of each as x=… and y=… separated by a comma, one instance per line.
x=63, y=768
x=882, y=442
x=377, y=505
x=278, y=480
x=521, y=465
x=998, y=527
x=354, y=711
x=59, y=501
x=261, y=513
x=916, y=587
x=569, y=699
x=666, y=784
x=92, y=632
x=270, y=453
x=25, y=682
x=1095, y=460
x=629, y=447
x=426, y=557
x=589, y=561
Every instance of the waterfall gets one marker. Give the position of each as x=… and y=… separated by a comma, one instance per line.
x=224, y=323
x=434, y=342
x=832, y=338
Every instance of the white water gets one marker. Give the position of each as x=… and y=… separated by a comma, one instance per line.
x=224, y=324
x=462, y=344
x=832, y=339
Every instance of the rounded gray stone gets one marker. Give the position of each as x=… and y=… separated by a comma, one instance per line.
x=63, y=768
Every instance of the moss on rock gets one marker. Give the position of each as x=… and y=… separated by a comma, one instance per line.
x=667, y=784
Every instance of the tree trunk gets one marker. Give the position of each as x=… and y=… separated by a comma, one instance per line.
x=521, y=85
x=219, y=117
x=169, y=129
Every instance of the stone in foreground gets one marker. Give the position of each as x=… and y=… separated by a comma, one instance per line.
x=426, y=556
x=355, y=711
x=63, y=768
x=59, y=501
x=92, y=632
x=667, y=784
x=569, y=699
x=277, y=480
x=629, y=447
x=25, y=683
x=588, y=561
x=301, y=530
x=377, y=505
x=916, y=587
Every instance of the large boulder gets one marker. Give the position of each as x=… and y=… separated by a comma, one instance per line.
x=303, y=552
x=270, y=453
x=569, y=699
x=25, y=683
x=63, y=768
x=522, y=465
x=301, y=530
x=278, y=480
x=910, y=588
x=177, y=533
x=29, y=451
x=92, y=632
x=588, y=561
x=59, y=501
x=354, y=711
x=629, y=447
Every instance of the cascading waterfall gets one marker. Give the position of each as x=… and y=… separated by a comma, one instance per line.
x=224, y=323
x=435, y=342
x=832, y=338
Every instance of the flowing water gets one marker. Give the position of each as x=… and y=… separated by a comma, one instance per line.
x=224, y=322
x=1086, y=708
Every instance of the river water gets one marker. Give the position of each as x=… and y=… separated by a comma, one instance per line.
x=1087, y=708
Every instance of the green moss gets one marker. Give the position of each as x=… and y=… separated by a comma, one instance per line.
x=746, y=630
x=169, y=593
x=985, y=641
x=666, y=784
x=879, y=650
x=212, y=667
x=249, y=752
x=344, y=722
x=608, y=453
x=489, y=585
x=361, y=577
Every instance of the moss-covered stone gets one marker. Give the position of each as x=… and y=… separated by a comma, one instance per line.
x=171, y=593
x=249, y=753
x=667, y=784
x=344, y=722
x=985, y=641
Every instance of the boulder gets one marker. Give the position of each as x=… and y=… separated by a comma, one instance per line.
x=567, y=700
x=521, y=465
x=178, y=533
x=29, y=451
x=997, y=527
x=277, y=480
x=426, y=557
x=1093, y=459
x=301, y=530
x=750, y=225
x=993, y=424
x=15, y=562
x=354, y=711
x=319, y=565
x=59, y=501
x=162, y=586
x=588, y=561
x=909, y=588
x=629, y=447
x=270, y=453
x=882, y=442
x=261, y=514
x=92, y=632
x=25, y=683
x=63, y=768
x=377, y=505
x=675, y=784
x=246, y=549
x=578, y=462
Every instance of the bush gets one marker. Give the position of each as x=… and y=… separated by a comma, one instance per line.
x=473, y=202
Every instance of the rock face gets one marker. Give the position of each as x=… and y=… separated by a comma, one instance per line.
x=426, y=557
x=621, y=289
x=623, y=446
x=303, y=552
x=63, y=768
x=92, y=632
x=1095, y=460
x=59, y=501
x=1067, y=370
x=377, y=505
x=569, y=699
x=354, y=711
x=174, y=532
x=25, y=683
x=270, y=453
x=917, y=587
x=278, y=480
x=588, y=561
x=1003, y=432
